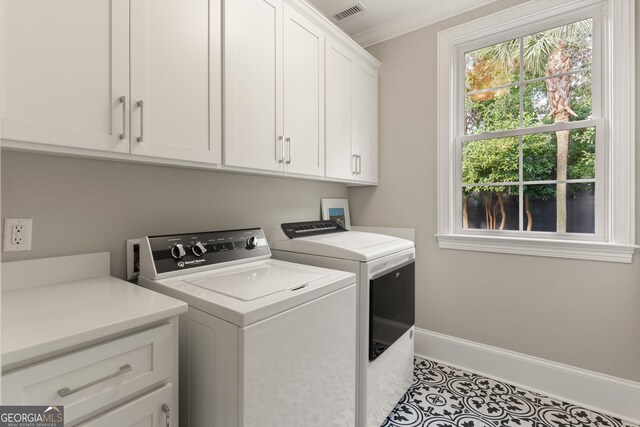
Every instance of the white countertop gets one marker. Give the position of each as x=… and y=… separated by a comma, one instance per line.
x=44, y=320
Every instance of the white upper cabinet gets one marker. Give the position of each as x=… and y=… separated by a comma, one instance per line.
x=364, y=135
x=253, y=135
x=352, y=116
x=143, y=80
x=340, y=163
x=303, y=95
x=77, y=73
x=66, y=67
x=274, y=88
x=172, y=44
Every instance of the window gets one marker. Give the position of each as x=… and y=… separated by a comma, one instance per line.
x=536, y=131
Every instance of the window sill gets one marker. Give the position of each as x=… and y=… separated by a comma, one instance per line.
x=593, y=251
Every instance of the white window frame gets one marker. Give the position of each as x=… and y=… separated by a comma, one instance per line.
x=613, y=74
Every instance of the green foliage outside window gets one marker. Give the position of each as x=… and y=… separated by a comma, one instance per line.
x=546, y=156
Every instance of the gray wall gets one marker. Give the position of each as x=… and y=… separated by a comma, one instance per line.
x=81, y=205
x=581, y=313
x=585, y=314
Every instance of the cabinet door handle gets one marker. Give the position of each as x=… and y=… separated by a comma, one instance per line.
x=289, y=147
x=123, y=101
x=359, y=164
x=354, y=169
x=281, y=139
x=167, y=414
x=64, y=392
x=140, y=105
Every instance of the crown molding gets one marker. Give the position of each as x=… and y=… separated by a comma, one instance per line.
x=414, y=21
x=329, y=27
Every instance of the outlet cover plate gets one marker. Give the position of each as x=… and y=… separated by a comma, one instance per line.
x=26, y=224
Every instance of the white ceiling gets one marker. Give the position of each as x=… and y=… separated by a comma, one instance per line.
x=386, y=19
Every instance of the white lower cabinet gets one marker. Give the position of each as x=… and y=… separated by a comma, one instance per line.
x=89, y=381
x=151, y=410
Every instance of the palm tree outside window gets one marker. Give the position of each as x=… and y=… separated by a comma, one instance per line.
x=531, y=180
x=536, y=131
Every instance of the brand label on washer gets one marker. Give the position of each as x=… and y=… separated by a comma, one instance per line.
x=183, y=264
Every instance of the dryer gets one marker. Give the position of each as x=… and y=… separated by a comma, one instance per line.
x=385, y=271
x=265, y=342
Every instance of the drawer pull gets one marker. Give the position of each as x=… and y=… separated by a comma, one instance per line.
x=64, y=392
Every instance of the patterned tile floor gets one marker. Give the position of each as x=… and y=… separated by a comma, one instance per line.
x=441, y=396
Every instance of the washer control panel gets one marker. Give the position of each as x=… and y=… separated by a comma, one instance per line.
x=185, y=251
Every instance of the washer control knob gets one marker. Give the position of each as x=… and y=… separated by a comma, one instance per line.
x=252, y=242
x=177, y=251
x=198, y=249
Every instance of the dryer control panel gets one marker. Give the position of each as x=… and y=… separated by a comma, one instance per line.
x=311, y=228
x=212, y=249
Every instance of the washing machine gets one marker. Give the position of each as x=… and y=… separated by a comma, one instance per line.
x=385, y=271
x=265, y=342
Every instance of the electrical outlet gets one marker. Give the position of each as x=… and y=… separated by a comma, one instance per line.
x=17, y=234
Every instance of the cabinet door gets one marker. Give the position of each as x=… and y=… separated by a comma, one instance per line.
x=66, y=65
x=150, y=410
x=365, y=122
x=170, y=79
x=97, y=376
x=253, y=84
x=339, y=161
x=303, y=94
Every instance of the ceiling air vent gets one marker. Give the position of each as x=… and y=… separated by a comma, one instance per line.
x=347, y=13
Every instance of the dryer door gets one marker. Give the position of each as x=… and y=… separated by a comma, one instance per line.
x=391, y=307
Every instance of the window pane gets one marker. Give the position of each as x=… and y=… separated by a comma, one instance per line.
x=558, y=50
x=490, y=161
x=492, y=66
x=541, y=208
x=581, y=205
x=492, y=111
x=540, y=153
x=570, y=95
x=490, y=208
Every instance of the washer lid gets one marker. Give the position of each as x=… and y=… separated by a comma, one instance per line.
x=256, y=281
x=351, y=245
x=248, y=293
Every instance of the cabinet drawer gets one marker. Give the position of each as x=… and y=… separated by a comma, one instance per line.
x=151, y=410
x=87, y=380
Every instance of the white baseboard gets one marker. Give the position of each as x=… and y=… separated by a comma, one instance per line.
x=602, y=393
